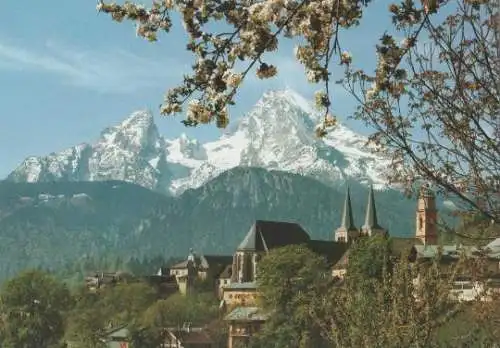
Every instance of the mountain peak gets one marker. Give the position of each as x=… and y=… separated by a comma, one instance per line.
x=139, y=119
x=276, y=134
x=291, y=96
x=138, y=130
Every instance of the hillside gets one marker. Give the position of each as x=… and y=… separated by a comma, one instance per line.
x=50, y=224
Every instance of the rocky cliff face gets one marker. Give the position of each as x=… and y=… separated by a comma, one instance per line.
x=277, y=134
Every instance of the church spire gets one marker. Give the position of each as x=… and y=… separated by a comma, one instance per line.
x=347, y=230
x=371, y=222
x=347, y=218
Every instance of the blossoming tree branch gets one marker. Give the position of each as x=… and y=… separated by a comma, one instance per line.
x=450, y=93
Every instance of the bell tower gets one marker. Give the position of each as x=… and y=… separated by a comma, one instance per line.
x=426, y=224
x=347, y=231
x=371, y=226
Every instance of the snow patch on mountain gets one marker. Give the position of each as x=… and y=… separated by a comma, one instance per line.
x=277, y=134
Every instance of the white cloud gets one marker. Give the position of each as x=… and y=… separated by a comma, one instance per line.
x=112, y=71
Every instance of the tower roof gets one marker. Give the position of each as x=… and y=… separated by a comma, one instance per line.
x=266, y=235
x=371, y=221
x=347, y=217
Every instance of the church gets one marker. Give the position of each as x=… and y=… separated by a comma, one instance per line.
x=235, y=276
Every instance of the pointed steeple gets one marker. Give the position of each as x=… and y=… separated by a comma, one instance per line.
x=347, y=230
x=371, y=222
x=347, y=218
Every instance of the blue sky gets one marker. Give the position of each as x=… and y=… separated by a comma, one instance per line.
x=68, y=72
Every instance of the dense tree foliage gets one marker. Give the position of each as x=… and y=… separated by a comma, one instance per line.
x=289, y=279
x=39, y=311
x=381, y=302
x=121, y=228
x=32, y=309
x=377, y=304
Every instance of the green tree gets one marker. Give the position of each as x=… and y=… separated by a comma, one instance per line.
x=369, y=258
x=289, y=279
x=94, y=313
x=401, y=305
x=33, y=305
x=175, y=311
x=87, y=321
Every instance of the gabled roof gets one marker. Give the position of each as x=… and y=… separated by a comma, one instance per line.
x=227, y=272
x=267, y=235
x=183, y=264
x=242, y=286
x=330, y=250
x=221, y=261
x=206, y=261
x=494, y=246
x=343, y=261
x=118, y=331
x=192, y=337
x=453, y=252
x=247, y=314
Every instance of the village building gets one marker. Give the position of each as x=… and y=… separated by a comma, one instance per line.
x=244, y=322
x=245, y=318
x=173, y=337
x=234, y=277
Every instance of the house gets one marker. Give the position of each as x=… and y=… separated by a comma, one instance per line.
x=208, y=266
x=239, y=298
x=97, y=280
x=204, y=267
x=165, y=285
x=187, y=337
x=240, y=294
x=116, y=337
x=265, y=236
x=182, y=337
x=244, y=322
x=224, y=280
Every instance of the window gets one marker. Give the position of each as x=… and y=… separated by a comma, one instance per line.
x=420, y=222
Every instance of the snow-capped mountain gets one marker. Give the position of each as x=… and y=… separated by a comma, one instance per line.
x=132, y=151
x=278, y=134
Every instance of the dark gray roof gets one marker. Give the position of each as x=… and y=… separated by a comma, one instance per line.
x=207, y=261
x=347, y=217
x=219, y=261
x=371, y=221
x=267, y=235
x=247, y=314
x=343, y=261
x=227, y=272
x=331, y=251
x=242, y=286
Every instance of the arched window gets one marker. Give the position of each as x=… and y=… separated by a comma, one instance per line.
x=420, y=223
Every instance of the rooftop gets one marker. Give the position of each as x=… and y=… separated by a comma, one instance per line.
x=247, y=314
x=266, y=235
x=242, y=286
